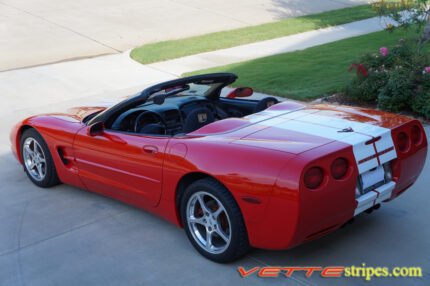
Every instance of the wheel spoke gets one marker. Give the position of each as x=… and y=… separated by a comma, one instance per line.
x=28, y=150
x=208, y=240
x=32, y=165
x=221, y=234
x=218, y=211
x=42, y=160
x=202, y=204
x=37, y=148
x=196, y=220
x=40, y=170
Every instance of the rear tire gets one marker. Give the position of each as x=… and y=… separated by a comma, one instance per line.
x=38, y=163
x=213, y=222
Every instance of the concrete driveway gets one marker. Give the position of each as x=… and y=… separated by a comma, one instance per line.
x=67, y=236
x=43, y=31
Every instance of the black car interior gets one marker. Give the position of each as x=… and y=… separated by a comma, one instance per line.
x=182, y=109
x=185, y=114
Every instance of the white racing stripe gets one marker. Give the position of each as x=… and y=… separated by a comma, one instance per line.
x=357, y=140
x=266, y=114
x=340, y=123
x=386, y=143
x=325, y=124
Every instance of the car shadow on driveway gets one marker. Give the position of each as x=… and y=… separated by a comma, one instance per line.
x=68, y=236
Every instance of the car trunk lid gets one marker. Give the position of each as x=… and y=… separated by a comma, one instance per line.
x=300, y=130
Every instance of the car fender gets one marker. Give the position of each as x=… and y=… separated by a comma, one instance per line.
x=249, y=173
x=58, y=131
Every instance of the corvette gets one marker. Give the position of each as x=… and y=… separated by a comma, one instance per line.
x=235, y=173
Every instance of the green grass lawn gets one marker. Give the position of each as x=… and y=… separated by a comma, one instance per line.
x=165, y=50
x=311, y=73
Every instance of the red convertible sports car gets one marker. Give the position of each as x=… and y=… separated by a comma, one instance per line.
x=234, y=173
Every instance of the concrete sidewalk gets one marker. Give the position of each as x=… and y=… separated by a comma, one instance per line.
x=44, y=31
x=63, y=82
x=119, y=74
x=271, y=47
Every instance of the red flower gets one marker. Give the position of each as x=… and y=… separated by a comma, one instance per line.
x=361, y=69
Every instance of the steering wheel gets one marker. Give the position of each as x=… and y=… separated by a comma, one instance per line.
x=150, y=117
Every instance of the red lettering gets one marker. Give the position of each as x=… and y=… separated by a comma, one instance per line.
x=333, y=271
x=311, y=269
x=269, y=272
x=289, y=270
x=245, y=273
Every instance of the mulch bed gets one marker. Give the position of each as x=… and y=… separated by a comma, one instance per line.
x=342, y=99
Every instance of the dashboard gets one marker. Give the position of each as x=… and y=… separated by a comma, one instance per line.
x=170, y=115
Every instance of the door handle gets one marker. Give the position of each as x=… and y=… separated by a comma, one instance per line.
x=150, y=149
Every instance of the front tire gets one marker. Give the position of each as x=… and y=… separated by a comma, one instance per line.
x=38, y=163
x=213, y=222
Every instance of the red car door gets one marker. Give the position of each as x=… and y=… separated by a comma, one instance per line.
x=121, y=165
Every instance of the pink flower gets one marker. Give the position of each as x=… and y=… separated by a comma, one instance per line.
x=383, y=51
x=427, y=70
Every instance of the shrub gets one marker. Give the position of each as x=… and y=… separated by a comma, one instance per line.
x=396, y=94
x=421, y=101
x=421, y=104
x=366, y=89
x=396, y=79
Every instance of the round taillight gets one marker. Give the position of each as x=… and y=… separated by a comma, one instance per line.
x=403, y=142
x=339, y=168
x=416, y=135
x=314, y=177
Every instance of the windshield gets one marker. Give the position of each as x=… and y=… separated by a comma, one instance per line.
x=191, y=89
x=207, y=85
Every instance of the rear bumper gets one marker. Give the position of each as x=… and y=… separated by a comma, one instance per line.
x=296, y=217
x=295, y=214
x=298, y=224
x=374, y=197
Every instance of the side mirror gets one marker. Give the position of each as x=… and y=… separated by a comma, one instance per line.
x=96, y=129
x=240, y=92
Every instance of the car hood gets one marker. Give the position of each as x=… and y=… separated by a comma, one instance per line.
x=82, y=112
x=75, y=114
x=79, y=113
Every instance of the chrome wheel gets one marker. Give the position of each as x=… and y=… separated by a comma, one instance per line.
x=34, y=159
x=208, y=222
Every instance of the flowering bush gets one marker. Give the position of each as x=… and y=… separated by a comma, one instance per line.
x=421, y=102
x=398, y=91
x=383, y=51
x=397, y=79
